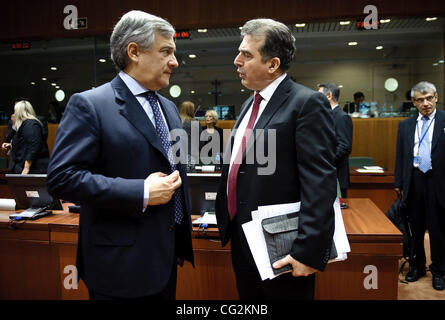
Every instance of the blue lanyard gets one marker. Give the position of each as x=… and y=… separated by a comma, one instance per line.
x=427, y=129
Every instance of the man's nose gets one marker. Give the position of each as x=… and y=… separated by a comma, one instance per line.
x=173, y=62
x=237, y=62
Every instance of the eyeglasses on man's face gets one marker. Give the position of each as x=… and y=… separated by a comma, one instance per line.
x=422, y=99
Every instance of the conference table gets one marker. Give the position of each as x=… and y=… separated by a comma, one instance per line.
x=37, y=260
x=379, y=187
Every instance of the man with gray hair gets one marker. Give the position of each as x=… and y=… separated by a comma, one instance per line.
x=113, y=156
x=305, y=149
x=420, y=180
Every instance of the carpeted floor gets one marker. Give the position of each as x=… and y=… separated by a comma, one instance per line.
x=422, y=289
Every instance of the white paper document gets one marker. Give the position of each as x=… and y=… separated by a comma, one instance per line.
x=208, y=218
x=7, y=204
x=257, y=243
x=371, y=170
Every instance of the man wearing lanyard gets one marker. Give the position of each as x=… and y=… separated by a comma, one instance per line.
x=420, y=180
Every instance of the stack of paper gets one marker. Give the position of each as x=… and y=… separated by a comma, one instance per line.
x=371, y=169
x=257, y=243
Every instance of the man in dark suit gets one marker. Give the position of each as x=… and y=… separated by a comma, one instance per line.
x=304, y=156
x=113, y=156
x=420, y=180
x=343, y=133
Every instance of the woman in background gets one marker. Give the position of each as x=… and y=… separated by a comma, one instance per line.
x=211, y=133
x=29, y=149
x=187, y=114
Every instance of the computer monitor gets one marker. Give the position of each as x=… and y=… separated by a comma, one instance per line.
x=203, y=188
x=30, y=191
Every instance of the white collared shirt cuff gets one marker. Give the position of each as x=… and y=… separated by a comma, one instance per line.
x=146, y=195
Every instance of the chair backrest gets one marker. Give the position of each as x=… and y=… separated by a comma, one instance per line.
x=359, y=162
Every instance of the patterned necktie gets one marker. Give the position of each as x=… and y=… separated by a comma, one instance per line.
x=163, y=134
x=233, y=174
x=424, y=147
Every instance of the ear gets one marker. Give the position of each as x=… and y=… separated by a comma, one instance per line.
x=274, y=64
x=329, y=96
x=133, y=51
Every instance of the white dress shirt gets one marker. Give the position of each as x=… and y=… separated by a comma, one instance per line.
x=139, y=92
x=266, y=93
x=431, y=118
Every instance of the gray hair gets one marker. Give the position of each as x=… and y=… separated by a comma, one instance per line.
x=138, y=27
x=279, y=41
x=423, y=87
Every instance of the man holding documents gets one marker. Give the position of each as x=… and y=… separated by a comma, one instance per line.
x=296, y=125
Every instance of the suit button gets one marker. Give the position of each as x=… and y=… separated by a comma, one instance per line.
x=171, y=228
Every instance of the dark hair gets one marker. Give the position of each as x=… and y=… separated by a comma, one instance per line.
x=358, y=95
x=278, y=40
x=331, y=88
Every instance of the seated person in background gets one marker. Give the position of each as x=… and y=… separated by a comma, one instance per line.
x=354, y=106
x=406, y=105
x=29, y=149
x=187, y=114
x=210, y=134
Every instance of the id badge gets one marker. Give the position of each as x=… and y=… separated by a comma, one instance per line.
x=416, y=159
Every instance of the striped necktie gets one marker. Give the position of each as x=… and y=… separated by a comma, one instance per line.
x=163, y=134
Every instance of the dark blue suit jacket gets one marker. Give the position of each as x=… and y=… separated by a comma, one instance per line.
x=343, y=133
x=105, y=147
x=404, y=155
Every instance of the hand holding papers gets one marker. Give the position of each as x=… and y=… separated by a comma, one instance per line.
x=257, y=243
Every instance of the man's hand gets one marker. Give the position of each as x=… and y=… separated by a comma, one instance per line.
x=399, y=193
x=162, y=187
x=6, y=146
x=299, y=269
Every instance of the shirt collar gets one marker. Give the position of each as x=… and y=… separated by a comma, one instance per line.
x=267, y=92
x=430, y=117
x=135, y=87
x=334, y=107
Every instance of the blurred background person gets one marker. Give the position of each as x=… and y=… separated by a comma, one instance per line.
x=343, y=133
x=187, y=114
x=354, y=106
x=29, y=149
x=212, y=133
x=408, y=104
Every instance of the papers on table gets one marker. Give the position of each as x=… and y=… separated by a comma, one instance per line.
x=7, y=204
x=207, y=218
x=257, y=244
x=370, y=169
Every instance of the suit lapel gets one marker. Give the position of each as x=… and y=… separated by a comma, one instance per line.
x=132, y=110
x=439, y=127
x=412, y=131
